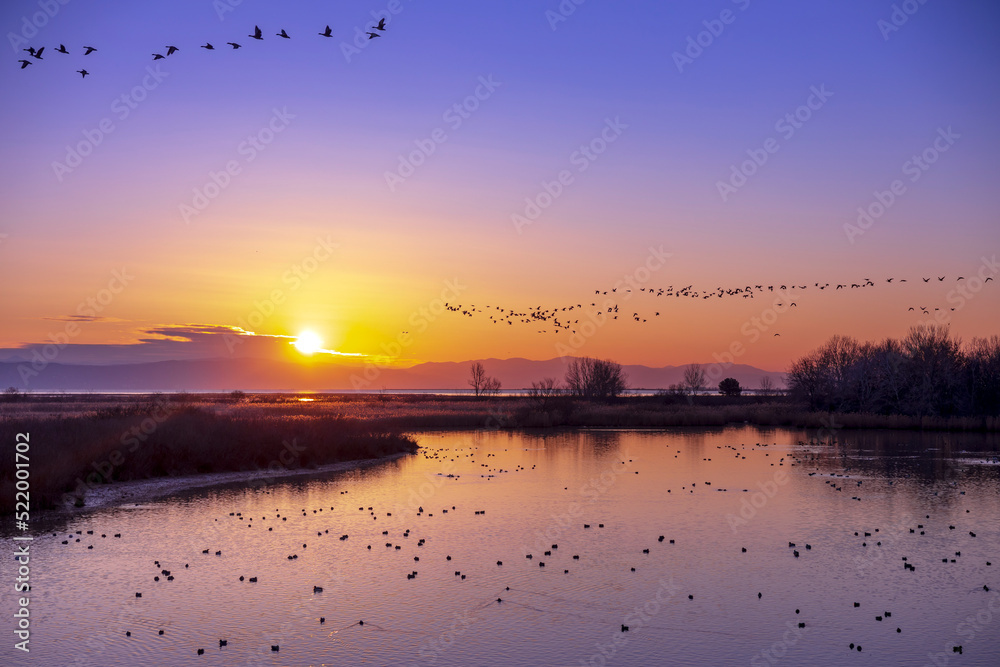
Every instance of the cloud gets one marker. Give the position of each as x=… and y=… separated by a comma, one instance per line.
x=84, y=318
x=169, y=342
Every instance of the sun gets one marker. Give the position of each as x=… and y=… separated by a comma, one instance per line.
x=308, y=343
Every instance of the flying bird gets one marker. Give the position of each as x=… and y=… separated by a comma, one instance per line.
x=234, y=45
x=256, y=33
x=24, y=63
x=208, y=45
x=83, y=73
x=373, y=35
x=62, y=49
x=89, y=50
x=381, y=24
x=30, y=50
x=327, y=32
x=171, y=50
x=157, y=56
x=283, y=34
x=38, y=54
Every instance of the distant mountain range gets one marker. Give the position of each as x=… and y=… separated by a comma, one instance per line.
x=264, y=375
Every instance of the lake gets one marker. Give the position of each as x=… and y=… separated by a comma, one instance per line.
x=896, y=534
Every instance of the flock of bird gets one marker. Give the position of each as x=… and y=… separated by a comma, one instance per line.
x=578, y=548
x=568, y=317
x=38, y=53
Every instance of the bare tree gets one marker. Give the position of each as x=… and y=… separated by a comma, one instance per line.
x=925, y=373
x=596, y=378
x=491, y=386
x=766, y=386
x=544, y=391
x=478, y=377
x=694, y=378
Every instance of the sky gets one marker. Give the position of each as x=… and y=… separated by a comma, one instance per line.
x=506, y=154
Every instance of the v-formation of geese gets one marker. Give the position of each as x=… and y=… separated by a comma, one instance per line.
x=256, y=34
x=561, y=318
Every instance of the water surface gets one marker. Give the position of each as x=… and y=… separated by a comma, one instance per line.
x=487, y=498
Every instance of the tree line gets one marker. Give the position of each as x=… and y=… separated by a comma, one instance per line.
x=926, y=373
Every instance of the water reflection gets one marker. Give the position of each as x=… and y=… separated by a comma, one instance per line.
x=723, y=586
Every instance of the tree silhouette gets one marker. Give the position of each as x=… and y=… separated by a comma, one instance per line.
x=730, y=387
x=478, y=377
x=694, y=378
x=595, y=378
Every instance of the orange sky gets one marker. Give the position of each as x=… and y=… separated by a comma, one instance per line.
x=335, y=127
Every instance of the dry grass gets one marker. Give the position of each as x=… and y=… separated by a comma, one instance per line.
x=93, y=444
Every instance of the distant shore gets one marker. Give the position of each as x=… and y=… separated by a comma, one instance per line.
x=85, y=446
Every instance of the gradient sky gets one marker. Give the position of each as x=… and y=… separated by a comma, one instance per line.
x=323, y=176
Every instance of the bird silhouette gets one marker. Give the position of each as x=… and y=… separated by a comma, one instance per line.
x=24, y=63
x=373, y=35
x=171, y=50
x=38, y=54
x=83, y=73
x=381, y=24
x=157, y=56
x=89, y=50
x=283, y=34
x=30, y=50
x=327, y=32
x=256, y=33
x=208, y=45
x=61, y=49
x=234, y=45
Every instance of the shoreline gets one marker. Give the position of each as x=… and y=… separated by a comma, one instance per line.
x=118, y=494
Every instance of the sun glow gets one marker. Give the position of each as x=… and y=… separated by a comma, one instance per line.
x=308, y=343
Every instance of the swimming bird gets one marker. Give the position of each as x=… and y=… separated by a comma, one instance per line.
x=327, y=32
x=208, y=45
x=83, y=73
x=89, y=50
x=283, y=34
x=256, y=33
x=171, y=50
x=24, y=63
